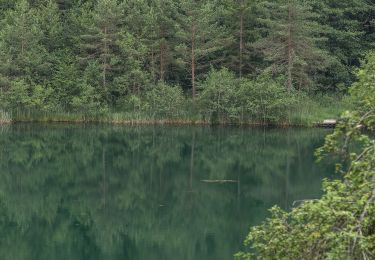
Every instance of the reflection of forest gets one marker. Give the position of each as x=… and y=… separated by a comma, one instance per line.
x=70, y=192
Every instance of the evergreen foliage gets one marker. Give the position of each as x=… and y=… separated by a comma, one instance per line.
x=97, y=55
x=291, y=42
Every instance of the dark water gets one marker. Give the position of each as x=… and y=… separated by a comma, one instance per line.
x=101, y=192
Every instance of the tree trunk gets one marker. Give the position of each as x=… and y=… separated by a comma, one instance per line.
x=153, y=64
x=241, y=37
x=22, y=47
x=290, y=49
x=162, y=62
x=193, y=32
x=105, y=59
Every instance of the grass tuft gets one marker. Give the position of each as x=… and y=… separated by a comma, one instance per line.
x=5, y=117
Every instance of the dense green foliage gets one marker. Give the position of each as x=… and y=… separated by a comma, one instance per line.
x=225, y=97
x=341, y=224
x=95, y=56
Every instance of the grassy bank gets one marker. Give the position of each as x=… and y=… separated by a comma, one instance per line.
x=222, y=98
x=5, y=117
x=309, y=111
x=305, y=112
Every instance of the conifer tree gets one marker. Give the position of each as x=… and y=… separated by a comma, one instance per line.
x=50, y=23
x=164, y=14
x=201, y=36
x=290, y=42
x=242, y=22
x=99, y=41
x=349, y=27
x=22, y=54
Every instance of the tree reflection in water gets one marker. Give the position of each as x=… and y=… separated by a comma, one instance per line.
x=112, y=192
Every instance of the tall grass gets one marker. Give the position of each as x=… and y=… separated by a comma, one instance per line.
x=110, y=116
x=5, y=117
x=306, y=112
x=311, y=110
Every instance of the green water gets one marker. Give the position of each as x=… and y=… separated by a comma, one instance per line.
x=105, y=192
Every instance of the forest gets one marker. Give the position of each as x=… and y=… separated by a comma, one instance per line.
x=280, y=61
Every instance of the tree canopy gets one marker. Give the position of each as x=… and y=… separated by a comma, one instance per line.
x=71, y=55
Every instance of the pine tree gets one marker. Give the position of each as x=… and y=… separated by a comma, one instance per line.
x=164, y=15
x=50, y=23
x=22, y=54
x=290, y=42
x=6, y=5
x=99, y=41
x=349, y=27
x=242, y=22
x=201, y=36
x=131, y=76
x=64, y=5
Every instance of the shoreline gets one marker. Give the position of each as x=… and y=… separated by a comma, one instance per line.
x=165, y=122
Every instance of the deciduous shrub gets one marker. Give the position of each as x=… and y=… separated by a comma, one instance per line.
x=340, y=225
x=164, y=101
x=225, y=98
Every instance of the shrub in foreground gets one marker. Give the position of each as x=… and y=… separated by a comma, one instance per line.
x=224, y=97
x=340, y=225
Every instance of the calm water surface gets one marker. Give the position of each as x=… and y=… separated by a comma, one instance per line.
x=144, y=193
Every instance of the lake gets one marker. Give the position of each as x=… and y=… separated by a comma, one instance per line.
x=144, y=193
